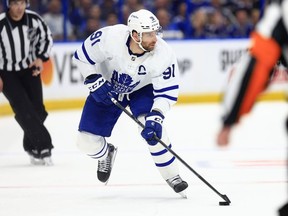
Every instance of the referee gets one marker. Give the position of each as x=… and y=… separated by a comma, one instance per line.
x=253, y=74
x=25, y=43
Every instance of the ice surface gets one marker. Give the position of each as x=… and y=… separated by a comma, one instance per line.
x=251, y=171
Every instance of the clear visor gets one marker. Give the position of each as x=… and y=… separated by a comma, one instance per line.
x=158, y=32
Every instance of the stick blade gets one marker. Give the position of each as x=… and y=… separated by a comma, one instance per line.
x=226, y=202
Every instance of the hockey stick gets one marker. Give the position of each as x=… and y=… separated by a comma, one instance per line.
x=223, y=196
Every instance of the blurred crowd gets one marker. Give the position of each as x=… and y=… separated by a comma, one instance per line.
x=74, y=20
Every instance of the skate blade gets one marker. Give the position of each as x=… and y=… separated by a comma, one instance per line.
x=47, y=161
x=36, y=161
x=113, y=159
x=183, y=194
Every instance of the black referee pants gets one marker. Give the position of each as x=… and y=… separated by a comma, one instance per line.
x=24, y=93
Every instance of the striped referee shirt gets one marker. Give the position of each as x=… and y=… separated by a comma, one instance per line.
x=21, y=42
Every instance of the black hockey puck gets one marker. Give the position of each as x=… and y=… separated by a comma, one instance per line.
x=224, y=203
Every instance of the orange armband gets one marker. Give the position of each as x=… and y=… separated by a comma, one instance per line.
x=266, y=50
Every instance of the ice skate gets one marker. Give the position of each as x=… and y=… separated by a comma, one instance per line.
x=45, y=156
x=178, y=185
x=34, y=157
x=40, y=158
x=105, y=166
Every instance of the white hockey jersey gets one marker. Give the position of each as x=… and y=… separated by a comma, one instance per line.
x=107, y=52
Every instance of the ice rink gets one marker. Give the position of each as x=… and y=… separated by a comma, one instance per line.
x=251, y=171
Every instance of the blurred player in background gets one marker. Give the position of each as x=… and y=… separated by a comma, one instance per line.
x=25, y=42
x=140, y=70
x=269, y=44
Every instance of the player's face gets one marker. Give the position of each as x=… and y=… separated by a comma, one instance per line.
x=149, y=40
x=17, y=9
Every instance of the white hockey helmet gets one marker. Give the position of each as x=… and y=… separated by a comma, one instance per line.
x=143, y=21
x=8, y=3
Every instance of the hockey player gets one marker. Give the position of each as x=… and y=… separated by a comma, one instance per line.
x=136, y=66
x=255, y=69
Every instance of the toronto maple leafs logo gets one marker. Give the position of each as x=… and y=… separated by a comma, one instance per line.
x=122, y=83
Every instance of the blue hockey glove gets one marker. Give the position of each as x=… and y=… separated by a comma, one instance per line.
x=99, y=88
x=153, y=126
